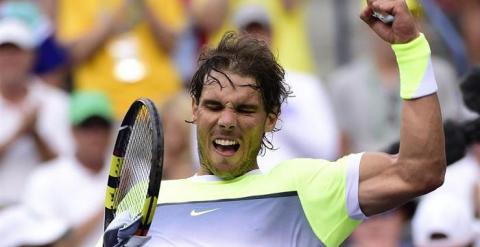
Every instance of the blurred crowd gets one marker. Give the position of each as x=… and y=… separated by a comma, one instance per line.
x=70, y=69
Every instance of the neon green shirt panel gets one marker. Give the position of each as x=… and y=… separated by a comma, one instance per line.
x=320, y=184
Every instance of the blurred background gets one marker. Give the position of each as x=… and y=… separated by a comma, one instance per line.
x=69, y=70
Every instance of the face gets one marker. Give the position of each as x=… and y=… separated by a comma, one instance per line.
x=231, y=122
x=15, y=63
x=92, y=144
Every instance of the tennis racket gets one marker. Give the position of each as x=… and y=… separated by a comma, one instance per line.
x=136, y=166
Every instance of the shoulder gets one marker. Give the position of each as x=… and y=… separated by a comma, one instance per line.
x=303, y=167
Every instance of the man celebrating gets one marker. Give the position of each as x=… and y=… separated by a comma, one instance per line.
x=237, y=95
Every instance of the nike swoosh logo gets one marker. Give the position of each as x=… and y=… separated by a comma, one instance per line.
x=195, y=213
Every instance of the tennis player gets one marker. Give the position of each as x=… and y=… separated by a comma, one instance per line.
x=237, y=94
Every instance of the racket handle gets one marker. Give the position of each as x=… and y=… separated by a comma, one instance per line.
x=387, y=19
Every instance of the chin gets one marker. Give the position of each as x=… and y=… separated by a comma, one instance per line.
x=226, y=174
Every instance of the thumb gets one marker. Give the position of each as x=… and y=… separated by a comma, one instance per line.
x=367, y=15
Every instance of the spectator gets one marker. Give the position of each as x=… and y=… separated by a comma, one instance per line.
x=122, y=47
x=443, y=221
x=72, y=189
x=51, y=59
x=34, y=115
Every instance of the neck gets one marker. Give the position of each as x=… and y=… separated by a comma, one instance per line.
x=225, y=175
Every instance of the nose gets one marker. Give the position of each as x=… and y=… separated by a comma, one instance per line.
x=227, y=120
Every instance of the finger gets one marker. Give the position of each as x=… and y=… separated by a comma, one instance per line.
x=366, y=15
x=370, y=16
x=384, y=7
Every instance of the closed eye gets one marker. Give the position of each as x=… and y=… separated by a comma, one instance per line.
x=247, y=109
x=213, y=105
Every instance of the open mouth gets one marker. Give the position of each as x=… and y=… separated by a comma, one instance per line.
x=225, y=146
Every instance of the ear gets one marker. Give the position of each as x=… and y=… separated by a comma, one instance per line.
x=194, y=110
x=270, y=122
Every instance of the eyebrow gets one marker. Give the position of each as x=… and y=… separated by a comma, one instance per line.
x=211, y=102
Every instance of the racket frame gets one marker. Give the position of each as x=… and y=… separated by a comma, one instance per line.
x=117, y=160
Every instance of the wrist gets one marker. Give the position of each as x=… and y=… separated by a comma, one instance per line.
x=415, y=67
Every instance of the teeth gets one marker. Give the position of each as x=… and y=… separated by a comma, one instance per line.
x=225, y=142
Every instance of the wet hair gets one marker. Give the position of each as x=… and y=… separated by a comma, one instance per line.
x=245, y=56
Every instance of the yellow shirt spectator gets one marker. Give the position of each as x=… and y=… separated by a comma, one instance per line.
x=130, y=63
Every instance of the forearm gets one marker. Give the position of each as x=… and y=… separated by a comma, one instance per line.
x=9, y=142
x=164, y=35
x=87, y=45
x=43, y=148
x=211, y=14
x=422, y=149
x=387, y=181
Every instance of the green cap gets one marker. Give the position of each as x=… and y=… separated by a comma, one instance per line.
x=87, y=104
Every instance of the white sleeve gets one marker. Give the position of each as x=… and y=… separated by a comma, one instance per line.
x=352, y=182
x=38, y=195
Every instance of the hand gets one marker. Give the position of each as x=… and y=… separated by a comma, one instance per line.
x=120, y=232
x=115, y=20
x=27, y=127
x=29, y=122
x=402, y=30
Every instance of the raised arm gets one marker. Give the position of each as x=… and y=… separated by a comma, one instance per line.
x=165, y=34
x=85, y=46
x=388, y=181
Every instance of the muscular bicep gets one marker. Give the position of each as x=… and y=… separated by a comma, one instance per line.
x=381, y=186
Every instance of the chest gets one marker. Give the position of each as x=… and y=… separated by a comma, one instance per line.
x=272, y=220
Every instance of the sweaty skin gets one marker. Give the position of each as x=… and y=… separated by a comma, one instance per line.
x=231, y=121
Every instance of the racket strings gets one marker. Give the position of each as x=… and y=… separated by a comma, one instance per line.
x=136, y=167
